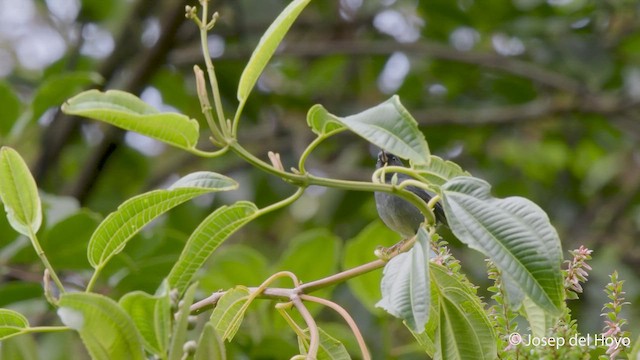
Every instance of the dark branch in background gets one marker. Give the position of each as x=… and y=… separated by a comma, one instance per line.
x=528, y=70
x=140, y=74
x=58, y=133
x=603, y=104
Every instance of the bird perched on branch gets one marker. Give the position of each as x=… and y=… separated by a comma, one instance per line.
x=397, y=213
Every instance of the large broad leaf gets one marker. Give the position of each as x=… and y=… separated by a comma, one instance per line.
x=267, y=46
x=19, y=193
x=360, y=250
x=152, y=317
x=330, y=348
x=210, y=345
x=439, y=171
x=513, y=232
x=405, y=284
x=128, y=112
x=121, y=225
x=57, y=88
x=11, y=323
x=211, y=232
x=464, y=330
x=539, y=320
x=229, y=312
x=388, y=126
x=105, y=328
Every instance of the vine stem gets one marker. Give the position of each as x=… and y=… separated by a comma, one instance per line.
x=38, y=329
x=43, y=257
x=205, y=26
x=286, y=294
x=314, y=333
x=313, y=145
x=345, y=315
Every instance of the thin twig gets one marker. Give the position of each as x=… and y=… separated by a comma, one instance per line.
x=345, y=315
x=314, y=334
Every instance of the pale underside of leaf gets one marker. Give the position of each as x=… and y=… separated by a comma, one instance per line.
x=107, y=331
x=513, y=232
x=405, y=285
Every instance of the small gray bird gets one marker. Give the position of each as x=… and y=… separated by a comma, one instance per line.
x=397, y=213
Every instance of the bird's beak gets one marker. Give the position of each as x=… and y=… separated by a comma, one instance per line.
x=382, y=157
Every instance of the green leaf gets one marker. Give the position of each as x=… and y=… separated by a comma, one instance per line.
x=464, y=330
x=405, y=284
x=232, y=265
x=513, y=232
x=19, y=193
x=330, y=348
x=635, y=351
x=120, y=226
x=210, y=345
x=539, y=320
x=267, y=47
x=317, y=246
x=179, y=334
x=211, y=232
x=151, y=316
x=74, y=233
x=360, y=250
x=229, y=312
x=10, y=108
x=11, y=323
x=321, y=121
x=20, y=347
x=439, y=171
x=513, y=294
x=104, y=327
x=59, y=87
x=16, y=291
x=390, y=127
x=128, y=112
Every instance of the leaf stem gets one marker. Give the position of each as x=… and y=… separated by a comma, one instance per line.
x=313, y=145
x=94, y=278
x=280, y=204
x=37, y=329
x=314, y=334
x=43, y=257
x=306, y=179
x=205, y=26
x=209, y=154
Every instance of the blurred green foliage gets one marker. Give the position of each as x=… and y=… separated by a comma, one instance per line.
x=541, y=98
